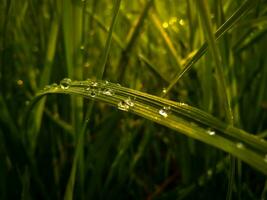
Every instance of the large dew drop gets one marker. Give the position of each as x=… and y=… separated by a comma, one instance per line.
x=65, y=83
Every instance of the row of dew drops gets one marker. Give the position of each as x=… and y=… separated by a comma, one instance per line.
x=126, y=104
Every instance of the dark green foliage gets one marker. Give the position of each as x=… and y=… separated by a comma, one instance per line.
x=67, y=146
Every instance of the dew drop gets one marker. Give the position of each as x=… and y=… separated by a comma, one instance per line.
x=47, y=87
x=240, y=145
x=129, y=102
x=123, y=106
x=164, y=90
x=65, y=83
x=92, y=93
x=54, y=86
x=164, y=111
x=211, y=132
x=108, y=92
x=94, y=84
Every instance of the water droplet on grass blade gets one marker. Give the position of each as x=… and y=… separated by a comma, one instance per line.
x=164, y=111
x=123, y=106
x=92, y=93
x=211, y=132
x=65, y=83
x=164, y=90
x=108, y=92
x=129, y=102
x=47, y=87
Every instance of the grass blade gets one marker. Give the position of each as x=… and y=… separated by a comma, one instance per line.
x=177, y=116
x=244, y=8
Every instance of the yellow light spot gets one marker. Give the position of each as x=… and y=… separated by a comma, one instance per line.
x=20, y=82
x=165, y=25
x=181, y=22
x=173, y=20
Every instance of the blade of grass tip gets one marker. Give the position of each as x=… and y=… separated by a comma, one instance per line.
x=221, y=82
x=231, y=21
x=79, y=147
x=133, y=36
x=177, y=116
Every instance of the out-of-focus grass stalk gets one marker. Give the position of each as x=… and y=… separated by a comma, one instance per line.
x=221, y=82
x=80, y=142
x=246, y=6
x=45, y=79
x=73, y=35
x=132, y=38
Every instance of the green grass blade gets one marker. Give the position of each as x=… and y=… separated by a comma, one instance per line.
x=177, y=116
x=243, y=9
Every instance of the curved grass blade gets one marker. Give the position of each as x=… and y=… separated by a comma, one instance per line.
x=218, y=34
x=180, y=117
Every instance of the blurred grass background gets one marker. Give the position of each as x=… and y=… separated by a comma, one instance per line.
x=144, y=45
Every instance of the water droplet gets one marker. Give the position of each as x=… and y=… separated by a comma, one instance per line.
x=211, y=132
x=123, y=106
x=47, y=87
x=129, y=102
x=265, y=158
x=82, y=47
x=54, y=86
x=108, y=92
x=240, y=145
x=94, y=84
x=65, y=83
x=92, y=93
x=164, y=111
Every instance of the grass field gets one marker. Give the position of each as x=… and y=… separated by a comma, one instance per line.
x=144, y=99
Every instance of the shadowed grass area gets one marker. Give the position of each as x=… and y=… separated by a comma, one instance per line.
x=161, y=96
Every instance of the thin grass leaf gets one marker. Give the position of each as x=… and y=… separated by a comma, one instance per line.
x=177, y=116
x=133, y=36
x=242, y=10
